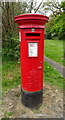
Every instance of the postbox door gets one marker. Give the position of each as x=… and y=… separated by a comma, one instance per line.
x=31, y=54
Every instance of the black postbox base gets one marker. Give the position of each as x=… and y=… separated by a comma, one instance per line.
x=32, y=100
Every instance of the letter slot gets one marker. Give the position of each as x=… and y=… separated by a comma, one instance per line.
x=33, y=36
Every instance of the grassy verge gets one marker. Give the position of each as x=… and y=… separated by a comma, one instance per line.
x=11, y=75
x=52, y=77
x=54, y=50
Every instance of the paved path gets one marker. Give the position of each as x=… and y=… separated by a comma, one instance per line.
x=58, y=67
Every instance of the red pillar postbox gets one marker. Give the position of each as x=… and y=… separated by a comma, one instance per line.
x=31, y=32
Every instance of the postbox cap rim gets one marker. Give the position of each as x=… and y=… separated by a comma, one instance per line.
x=31, y=16
x=29, y=19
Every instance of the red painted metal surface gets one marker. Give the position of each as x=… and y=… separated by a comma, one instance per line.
x=31, y=31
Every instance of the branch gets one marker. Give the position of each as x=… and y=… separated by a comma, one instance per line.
x=38, y=6
x=31, y=6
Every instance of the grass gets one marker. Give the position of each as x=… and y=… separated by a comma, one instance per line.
x=54, y=49
x=52, y=77
x=8, y=114
x=11, y=75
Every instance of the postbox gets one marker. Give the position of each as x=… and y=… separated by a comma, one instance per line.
x=31, y=33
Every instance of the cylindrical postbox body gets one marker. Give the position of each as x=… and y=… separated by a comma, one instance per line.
x=31, y=32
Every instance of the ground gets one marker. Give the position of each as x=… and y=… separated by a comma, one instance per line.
x=52, y=106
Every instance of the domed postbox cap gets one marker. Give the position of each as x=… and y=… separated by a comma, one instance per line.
x=31, y=20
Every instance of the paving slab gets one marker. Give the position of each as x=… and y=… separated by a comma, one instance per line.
x=57, y=66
